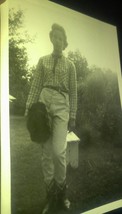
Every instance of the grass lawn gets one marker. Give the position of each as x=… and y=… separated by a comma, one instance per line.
x=97, y=180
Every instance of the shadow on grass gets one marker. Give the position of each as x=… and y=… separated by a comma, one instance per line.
x=95, y=182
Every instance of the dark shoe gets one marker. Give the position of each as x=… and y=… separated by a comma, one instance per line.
x=50, y=204
x=49, y=207
x=65, y=204
x=46, y=209
x=62, y=199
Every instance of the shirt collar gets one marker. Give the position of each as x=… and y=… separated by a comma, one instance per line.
x=56, y=56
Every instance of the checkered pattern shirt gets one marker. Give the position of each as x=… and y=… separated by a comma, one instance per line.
x=62, y=76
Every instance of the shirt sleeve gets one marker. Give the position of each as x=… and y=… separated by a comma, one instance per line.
x=36, y=86
x=73, y=91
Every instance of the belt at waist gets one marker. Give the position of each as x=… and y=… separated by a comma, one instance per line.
x=56, y=88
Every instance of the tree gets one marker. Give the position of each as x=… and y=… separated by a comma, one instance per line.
x=91, y=99
x=80, y=62
x=112, y=121
x=18, y=60
x=99, y=113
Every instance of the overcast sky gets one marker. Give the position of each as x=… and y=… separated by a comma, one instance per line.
x=96, y=40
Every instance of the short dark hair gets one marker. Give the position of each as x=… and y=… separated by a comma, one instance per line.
x=60, y=28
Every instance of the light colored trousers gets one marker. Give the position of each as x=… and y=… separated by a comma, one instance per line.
x=54, y=150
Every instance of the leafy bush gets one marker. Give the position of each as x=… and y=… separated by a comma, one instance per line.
x=99, y=111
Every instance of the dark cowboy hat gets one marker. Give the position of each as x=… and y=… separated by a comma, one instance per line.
x=38, y=123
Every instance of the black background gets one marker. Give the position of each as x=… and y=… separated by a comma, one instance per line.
x=104, y=10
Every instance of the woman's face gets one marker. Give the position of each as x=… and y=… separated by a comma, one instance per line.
x=57, y=40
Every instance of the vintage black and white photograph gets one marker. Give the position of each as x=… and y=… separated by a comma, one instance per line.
x=65, y=110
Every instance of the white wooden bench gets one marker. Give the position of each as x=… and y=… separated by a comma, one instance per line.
x=72, y=149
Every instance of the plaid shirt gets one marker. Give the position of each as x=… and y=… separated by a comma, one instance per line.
x=61, y=74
